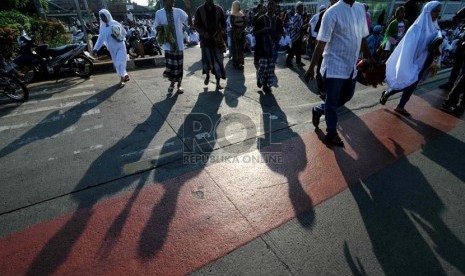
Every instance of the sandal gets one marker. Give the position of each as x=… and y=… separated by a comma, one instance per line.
x=402, y=111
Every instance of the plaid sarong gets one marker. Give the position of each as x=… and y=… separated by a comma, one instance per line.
x=173, y=65
x=212, y=61
x=265, y=73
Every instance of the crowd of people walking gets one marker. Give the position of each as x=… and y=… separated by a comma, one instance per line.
x=337, y=38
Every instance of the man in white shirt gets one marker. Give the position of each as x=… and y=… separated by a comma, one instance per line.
x=171, y=19
x=342, y=33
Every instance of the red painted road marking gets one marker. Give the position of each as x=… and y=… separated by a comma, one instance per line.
x=177, y=226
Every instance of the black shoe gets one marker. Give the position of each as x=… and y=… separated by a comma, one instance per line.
x=383, y=98
x=334, y=140
x=266, y=89
x=446, y=86
x=300, y=64
x=402, y=111
x=315, y=117
x=450, y=109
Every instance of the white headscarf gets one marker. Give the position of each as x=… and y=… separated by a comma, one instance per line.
x=408, y=58
x=110, y=20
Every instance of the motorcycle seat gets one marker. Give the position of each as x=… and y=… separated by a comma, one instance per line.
x=60, y=50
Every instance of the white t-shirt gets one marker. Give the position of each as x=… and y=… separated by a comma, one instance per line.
x=342, y=28
x=180, y=17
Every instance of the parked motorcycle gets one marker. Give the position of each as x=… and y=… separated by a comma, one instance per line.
x=140, y=46
x=68, y=58
x=10, y=85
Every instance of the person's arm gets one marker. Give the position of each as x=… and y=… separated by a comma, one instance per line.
x=319, y=48
x=198, y=24
x=100, y=41
x=156, y=23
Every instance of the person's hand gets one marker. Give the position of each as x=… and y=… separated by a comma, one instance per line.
x=310, y=74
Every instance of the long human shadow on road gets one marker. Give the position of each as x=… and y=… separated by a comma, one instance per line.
x=294, y=157
x=396, y=206
x=61, y=121
x=196, y=132
x=194, y=67
x=447, y=159
x=235, y=85
x=108, y=164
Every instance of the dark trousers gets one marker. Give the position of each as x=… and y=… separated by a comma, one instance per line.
x=457, y=91
x=296, y=50
x=458, y=64
x=406, y=94
x=338, y=93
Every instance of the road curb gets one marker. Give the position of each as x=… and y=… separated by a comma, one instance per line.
x=102, y=67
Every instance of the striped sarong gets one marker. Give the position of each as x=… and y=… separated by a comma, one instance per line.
x=265, y=73
x=212, y=60
x=173, y=65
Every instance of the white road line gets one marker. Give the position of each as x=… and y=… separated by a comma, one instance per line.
x=91, y=148
x=52, y=107
x=93, y=128
x=86, y=93
x=140, y=152
x=47, y=91
x=2, y=128
x=49, y=120
x=62, y=133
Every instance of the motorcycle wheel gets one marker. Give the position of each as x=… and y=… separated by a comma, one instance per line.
x=132, y=52
x=13, y=88
x=29, y=73
x=81, y=66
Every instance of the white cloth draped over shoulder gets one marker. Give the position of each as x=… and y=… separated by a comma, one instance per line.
x=408, y=58
x=117, y=48
x=179, y=17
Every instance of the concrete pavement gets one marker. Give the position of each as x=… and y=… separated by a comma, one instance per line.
x=389, y=203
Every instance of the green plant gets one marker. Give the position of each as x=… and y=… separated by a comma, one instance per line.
x=14, y=19
x=50, y=32
x=7, y=39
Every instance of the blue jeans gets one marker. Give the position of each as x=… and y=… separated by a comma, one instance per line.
x=338, y=92
x=408, y=91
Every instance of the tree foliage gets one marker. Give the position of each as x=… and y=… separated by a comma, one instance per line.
x=24, y=6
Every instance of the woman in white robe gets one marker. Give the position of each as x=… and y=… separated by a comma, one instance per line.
x=406, y=64
x=114, y=43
